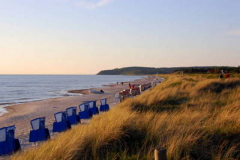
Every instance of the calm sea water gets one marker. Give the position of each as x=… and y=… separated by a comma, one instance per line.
x=15, y=89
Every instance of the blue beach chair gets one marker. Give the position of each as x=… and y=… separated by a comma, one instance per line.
x=8, y=144
x=38, y=132
x=84, y=111
x=93, y=107
x=61, y=123
x=104, y=106
x=72, y=116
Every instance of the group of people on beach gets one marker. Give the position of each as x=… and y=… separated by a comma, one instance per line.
x=121, y=83
x=226, y=74
x=130, y=86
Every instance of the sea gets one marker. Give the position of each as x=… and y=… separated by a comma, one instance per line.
x=16, y=89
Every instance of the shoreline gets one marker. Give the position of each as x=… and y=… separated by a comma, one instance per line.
x=80, y=91
x=20, y=115
x=4, y=107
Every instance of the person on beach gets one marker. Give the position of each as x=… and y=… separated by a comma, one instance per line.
x=129, y=85
x=122, y=83
x=220, y=76
x=101, y=91
x=222, y=72
x=227, y=75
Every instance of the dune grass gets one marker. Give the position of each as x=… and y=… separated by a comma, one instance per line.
x=192, y=116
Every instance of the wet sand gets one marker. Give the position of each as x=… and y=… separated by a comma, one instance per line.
x=80, y=91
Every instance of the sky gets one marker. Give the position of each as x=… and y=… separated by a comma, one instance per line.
x=86, y=36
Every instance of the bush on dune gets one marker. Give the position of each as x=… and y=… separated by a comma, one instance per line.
x=192, y=116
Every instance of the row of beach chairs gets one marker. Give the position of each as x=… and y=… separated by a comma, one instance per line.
x=134, y=91
x=63, y=121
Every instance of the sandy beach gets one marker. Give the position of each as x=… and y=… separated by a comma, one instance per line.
x=20, y=115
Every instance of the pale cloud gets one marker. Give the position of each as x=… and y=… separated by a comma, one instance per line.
x=234, y=32
x=92, y=5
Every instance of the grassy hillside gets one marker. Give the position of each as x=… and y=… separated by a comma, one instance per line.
x=193, y=116
x=148, y=70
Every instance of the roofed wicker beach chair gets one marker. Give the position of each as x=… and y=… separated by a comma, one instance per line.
x=84, y=111
x=38, y=132
x=8, y=144
x=104, y=106
x=141, y=88
x=61, y=123
x=117, y=98
x=93, y=107
x=72, y=116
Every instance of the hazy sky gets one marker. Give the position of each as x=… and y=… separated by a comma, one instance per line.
x=86, y=36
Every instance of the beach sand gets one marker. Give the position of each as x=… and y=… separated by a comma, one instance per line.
x=20, y=115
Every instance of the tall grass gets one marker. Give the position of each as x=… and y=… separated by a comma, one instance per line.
x=193, y=116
